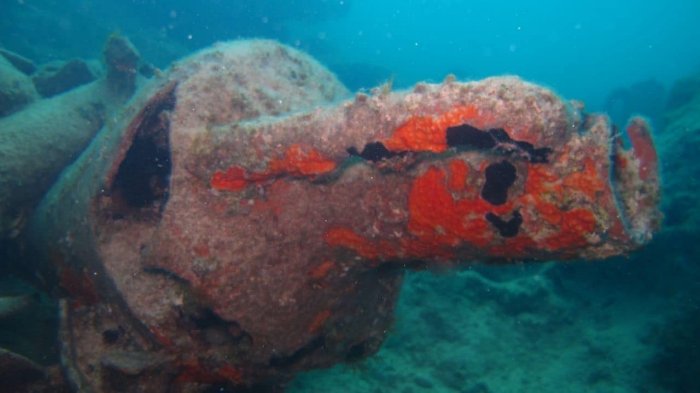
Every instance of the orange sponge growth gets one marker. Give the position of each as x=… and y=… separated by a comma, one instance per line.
x=347, y=238
x=546, y=192
x=301, y=161
x=589, y=181
x=458, y=175
x=428, y=133
x=234, y=179
x=437, y=219
x=418, y=133
x=298, y=161
x=640, y=136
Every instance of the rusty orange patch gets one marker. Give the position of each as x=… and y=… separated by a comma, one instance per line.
x=319, y=320
x=643, y=147
x=160, y=337
x=540, y=180
x=301, y=161
x=418, y=133
x=575, y=225
x=201, y=250
x=231, y=373
x=298, y=160
x=76, y=282
x=346, y=237
x=439, y=222
x=234, y=179
x=437, y=219
x=321, y=271
x=192, y=370
x=428, y=133
x=458, y=175
x=588, y=180
x=546, y=192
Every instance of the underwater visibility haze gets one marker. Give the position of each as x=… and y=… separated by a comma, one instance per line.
x=349, y=196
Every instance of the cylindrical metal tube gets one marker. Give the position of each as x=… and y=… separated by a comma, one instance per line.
x=220, y=243
x=36, y=144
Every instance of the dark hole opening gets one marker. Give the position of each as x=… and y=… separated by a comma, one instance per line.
x=212, y=330
x=358, y=351
x=141, y=185
x=507, y=228
x=465, y=136
x=499, y=177
x=111, y=336
x=205, y=318
x=374, y=151
x=308, y=349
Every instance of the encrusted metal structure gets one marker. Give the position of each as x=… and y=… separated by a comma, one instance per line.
x=242, y=223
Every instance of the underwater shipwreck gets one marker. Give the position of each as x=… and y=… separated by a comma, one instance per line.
x=242, y=217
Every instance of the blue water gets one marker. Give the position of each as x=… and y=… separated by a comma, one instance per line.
x=630, y=324
x=582, y=49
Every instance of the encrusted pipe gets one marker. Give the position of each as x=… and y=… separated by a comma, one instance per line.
x=39, y=141
x=239, y=225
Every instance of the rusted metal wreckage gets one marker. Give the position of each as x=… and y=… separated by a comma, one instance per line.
x=241, y=223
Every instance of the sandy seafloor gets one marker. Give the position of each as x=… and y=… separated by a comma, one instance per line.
x=629, y=324
x=537, y=328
